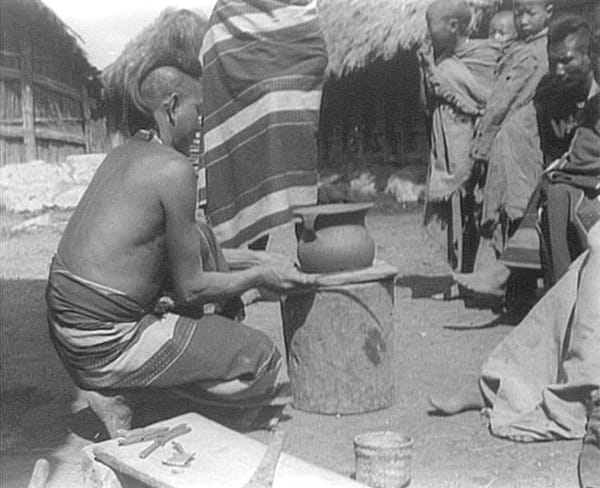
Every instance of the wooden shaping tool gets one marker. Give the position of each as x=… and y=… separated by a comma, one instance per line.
x=176, y=431
x=265, y=472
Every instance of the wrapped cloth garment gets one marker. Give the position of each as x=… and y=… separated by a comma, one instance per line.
x=456, y=89
x=570, y=180
x=264, y=62
x=538, y=379
x=108, y=341
x=507, y=136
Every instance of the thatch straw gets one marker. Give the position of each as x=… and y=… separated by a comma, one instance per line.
x=357, y=31
x=34, y=13
x=174, y=39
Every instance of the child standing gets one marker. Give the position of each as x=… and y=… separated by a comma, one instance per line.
x=507, y=138
x=456, y=80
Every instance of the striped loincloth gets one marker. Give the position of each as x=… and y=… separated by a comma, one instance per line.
x=107, y=340
x=263, y=72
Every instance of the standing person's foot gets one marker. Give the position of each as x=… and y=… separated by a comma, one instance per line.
x=114, y=411
x=453, y=404
x=490, y=282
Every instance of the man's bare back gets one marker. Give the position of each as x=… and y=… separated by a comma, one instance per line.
x=116, y=236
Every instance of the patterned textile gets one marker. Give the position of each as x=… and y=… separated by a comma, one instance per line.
x=107, y=340
x=263, y=72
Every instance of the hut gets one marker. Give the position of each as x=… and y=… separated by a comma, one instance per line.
x=46, y=83
x=371, y=101
x=371, y=108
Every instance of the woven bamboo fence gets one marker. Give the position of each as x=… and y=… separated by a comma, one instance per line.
x=45, y=107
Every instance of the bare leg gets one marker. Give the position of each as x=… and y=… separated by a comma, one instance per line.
x=114, y=411
x=489, y=281
x=453, y=404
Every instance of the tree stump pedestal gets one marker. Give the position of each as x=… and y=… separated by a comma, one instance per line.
x=340, y=342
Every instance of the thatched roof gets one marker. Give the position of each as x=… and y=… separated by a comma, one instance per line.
x=34, y=14
x=173, y=39
x=357, y=31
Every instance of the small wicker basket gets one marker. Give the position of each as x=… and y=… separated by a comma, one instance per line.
x=383, y=459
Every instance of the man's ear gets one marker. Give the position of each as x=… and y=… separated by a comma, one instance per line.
x=171, y=105
x=454, y=25
x=550, y=9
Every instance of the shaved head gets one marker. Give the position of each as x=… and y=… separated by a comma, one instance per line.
x=163, y=82
x=173, y=100
x=451, y=9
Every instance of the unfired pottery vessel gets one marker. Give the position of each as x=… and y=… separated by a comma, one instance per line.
x=334, y=237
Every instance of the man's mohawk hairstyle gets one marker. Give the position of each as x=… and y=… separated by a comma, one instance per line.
x=174, y=39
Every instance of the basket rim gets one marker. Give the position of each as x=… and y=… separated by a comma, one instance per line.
x=394, y=440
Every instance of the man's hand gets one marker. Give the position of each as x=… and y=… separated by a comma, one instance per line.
x=285, y=278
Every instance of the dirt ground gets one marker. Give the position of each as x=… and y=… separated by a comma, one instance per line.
x=440, y=346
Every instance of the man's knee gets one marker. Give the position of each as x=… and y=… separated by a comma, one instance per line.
x=261, y=350
x=560, y=195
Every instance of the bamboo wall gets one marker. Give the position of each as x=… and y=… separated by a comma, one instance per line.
x=45, y=111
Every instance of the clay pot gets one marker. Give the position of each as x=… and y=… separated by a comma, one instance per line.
x=334, y=237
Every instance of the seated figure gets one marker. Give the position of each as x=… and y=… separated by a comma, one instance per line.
x=132, y=240
x=542, y=382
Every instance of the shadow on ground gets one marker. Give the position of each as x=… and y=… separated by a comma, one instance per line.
x=425, y=286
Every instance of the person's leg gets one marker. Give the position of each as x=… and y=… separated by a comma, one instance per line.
x=114, y=409
x=212, y=356
x=224, y=359
x=556, y=227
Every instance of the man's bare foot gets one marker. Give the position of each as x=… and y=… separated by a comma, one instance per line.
x=114, y=411
x=452, y=405
x=491, y=281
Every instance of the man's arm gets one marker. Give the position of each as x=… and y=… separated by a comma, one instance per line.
x=176, y=188
x=238, y=259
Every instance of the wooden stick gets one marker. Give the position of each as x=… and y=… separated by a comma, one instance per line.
x=40, y=474
x=176, y=431
x=265, y=472
x=143, y=436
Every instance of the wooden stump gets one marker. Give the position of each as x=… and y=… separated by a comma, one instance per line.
x=340, y=346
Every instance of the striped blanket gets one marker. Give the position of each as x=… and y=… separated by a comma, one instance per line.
x=263, y=72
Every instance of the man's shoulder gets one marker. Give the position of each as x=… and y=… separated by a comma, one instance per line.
x=155, y=157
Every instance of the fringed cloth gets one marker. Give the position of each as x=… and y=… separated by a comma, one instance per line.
x=538, y=379
x=456, y=90
x=107, y=340
x=263, y=72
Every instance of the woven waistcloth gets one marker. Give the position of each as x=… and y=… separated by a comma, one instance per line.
x=264, y=62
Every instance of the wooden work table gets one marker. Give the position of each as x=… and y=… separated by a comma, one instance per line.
x=224, y=459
